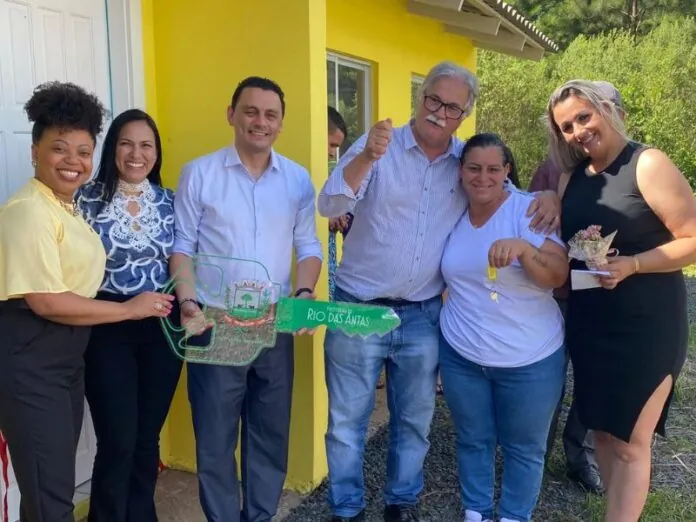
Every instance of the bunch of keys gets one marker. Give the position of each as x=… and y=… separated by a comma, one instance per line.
x=492, y=276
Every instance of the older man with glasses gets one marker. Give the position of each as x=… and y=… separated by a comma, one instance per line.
x=402, y=185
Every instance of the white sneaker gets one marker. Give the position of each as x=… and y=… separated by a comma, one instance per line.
x=474, y=516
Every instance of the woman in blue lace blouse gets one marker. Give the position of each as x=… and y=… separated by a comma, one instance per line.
x=130, y=372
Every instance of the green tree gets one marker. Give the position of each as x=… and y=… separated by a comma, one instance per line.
x=654, y=75
x=563, y=20
x=512, y=100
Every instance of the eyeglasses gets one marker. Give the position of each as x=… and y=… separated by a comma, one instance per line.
x=433, y=104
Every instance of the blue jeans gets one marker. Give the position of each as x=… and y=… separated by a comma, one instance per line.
x=353, y=365
x=507, y=406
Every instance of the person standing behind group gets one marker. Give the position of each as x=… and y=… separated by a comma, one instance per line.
x=244, y=201
x=578, y=442
x=51, y=266
x=130, y=371
x=628, y=338
x=392, y=258
x=338, y=133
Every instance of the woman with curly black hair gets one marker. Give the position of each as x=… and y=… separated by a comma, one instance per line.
x=51, y=265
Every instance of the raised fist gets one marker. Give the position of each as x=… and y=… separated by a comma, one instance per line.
x=378, y=140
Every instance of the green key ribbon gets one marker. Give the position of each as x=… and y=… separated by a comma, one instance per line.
x=350, y=318
x=249, y=311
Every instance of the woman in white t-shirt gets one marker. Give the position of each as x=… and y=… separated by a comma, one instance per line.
x=501, y=353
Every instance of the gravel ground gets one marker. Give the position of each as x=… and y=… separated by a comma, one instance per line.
x=441, y=501
x=673, y=490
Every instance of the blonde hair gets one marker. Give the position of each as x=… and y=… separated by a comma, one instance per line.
x=565, y=155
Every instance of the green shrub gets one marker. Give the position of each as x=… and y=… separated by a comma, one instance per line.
x=656, y=77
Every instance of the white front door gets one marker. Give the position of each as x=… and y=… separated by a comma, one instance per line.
x=43, y=40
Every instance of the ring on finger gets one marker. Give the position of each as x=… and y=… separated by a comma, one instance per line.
x=158, y=306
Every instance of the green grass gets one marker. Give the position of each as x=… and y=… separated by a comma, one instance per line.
x=662, y=506
x=681, y=444
x=685, y=389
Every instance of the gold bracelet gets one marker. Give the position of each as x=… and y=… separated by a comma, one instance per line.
x=636, y=264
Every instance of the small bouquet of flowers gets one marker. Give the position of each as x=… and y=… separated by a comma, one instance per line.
x=589, y=246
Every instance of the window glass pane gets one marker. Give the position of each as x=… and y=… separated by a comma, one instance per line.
x=352, y=102
x=416, y=82
x=331, y=82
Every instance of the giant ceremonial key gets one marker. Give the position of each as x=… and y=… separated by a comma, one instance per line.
x=244, y=311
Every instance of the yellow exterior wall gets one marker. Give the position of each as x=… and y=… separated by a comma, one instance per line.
x=151, y=107
x=196, y=53
x=397, y=44
x=149, y=58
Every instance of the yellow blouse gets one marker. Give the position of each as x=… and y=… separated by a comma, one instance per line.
x=44, y=248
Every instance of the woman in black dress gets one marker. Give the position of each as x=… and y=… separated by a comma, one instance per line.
x=628, y=338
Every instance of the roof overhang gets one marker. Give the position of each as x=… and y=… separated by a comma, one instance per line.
x=490, y=24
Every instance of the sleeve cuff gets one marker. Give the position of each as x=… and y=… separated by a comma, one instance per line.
x=301, y=256
x=184, y=247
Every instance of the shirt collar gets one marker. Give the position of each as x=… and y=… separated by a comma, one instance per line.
x=232, y=159
x=454, y=149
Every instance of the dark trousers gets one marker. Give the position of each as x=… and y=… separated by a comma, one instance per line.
x=131, y=376
x=41, y=409
x=261, y=395
x=578, y=441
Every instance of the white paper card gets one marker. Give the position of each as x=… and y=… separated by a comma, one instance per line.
x=585, y=279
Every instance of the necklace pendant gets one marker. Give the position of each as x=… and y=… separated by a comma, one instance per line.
x=127, y=187
x=70, y=209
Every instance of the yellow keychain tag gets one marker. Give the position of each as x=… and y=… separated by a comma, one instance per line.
x=492, y=276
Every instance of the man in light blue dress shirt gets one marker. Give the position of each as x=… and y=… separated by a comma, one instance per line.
x=402, y=185
x=245, y=201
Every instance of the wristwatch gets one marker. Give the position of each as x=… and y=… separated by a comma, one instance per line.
x=301, y=291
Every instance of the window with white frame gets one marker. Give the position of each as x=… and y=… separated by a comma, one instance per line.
x=416, y=83
x=349, y=92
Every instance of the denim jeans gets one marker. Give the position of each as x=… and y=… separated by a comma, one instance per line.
x=511, y=407
x=353, y=365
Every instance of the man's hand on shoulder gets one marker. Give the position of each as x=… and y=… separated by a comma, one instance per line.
x=545, y=211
